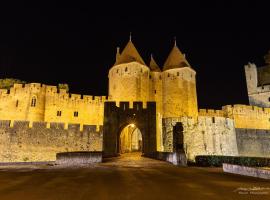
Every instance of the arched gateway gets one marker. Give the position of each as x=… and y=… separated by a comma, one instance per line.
x=117, y=118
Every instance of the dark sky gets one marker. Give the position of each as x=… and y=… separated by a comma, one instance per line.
x=75, y=43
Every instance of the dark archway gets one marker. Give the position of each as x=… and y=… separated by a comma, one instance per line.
x=116, y=118
x=178, y=137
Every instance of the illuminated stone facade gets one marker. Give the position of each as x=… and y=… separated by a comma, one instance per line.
x=37, y=121
x=258, y=83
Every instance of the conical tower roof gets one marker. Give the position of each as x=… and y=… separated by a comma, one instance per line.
x=153, y=65
x=129, y=54
x=175, y=60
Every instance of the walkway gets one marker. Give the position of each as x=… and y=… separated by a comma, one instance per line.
x=128, y=177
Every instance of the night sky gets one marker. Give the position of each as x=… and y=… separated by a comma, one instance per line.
x=76, y=43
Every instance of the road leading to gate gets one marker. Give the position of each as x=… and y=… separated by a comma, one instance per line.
x=127, y=177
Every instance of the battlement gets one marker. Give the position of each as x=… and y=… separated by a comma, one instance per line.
x=70, y=98
x=52, y=92
x=136, y=105
x=206, y=121
x=211, y=112
x=49, y=125
x=239, y=108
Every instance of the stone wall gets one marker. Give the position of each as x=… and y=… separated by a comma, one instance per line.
x=45, y=103
x=78, y=158
x=203, y=136
x=253, y=142
x=244, y=116
x=251, y=117
x=41, y=141
x=258, y=92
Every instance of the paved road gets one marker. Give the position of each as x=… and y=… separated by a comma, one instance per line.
x=128, y=177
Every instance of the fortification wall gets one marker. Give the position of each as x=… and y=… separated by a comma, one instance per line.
x=261, y=98
x=250, y=117
x=204, y=136
x=74, y=108
x=258, y=95
x=244, y=116
x=211, y=113
x=253, y=142
x=45, y=103
x=23, y=102
x=22, y=141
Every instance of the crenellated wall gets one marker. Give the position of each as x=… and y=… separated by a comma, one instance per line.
x=251, y=117
x=244, y=116
x=211, y=113
x=203, y=136
x=44, y=103
x=18, y=102
x=22, y=141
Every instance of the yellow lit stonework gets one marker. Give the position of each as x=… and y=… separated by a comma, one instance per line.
x=78, y=119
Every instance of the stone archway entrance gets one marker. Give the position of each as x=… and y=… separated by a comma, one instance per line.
x=117, y=118
x=178, y=137
x=130, y=139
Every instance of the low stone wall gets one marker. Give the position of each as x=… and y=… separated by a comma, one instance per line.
x=78, y=158
x=176, y=158
x=253, y=142
x=38, y=143
x=246, y=171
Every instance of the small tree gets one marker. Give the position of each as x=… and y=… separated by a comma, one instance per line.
x=63, y=86
x=7, y=83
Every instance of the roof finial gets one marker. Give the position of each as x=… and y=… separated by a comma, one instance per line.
x=151, y=55
x=175, y=41
x=130, y=34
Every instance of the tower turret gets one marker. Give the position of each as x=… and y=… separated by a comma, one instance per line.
x=179, y=86
x=129, y=77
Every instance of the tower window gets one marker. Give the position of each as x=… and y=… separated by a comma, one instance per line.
x=59, y=113
x=33, y=102
x=141, y=70
x=117, y=70
x=213, y=119
x=17, y=103
x=126, y=69
x=168, y=75
x=177, y=73
x=269, y=99
x=76, y=114
x=155, y=91
x=150, y=76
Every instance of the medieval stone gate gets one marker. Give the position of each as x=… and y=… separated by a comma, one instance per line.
x=116, y=118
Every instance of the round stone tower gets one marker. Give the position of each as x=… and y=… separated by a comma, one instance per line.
x=179, y=86
x=129, y=77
